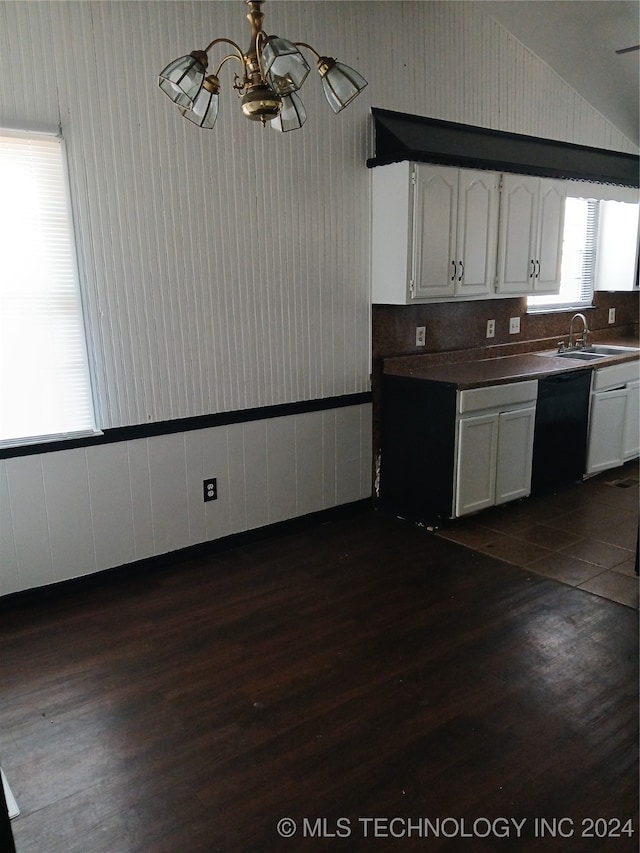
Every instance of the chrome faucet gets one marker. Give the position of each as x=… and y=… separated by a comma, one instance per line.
x=584, y=340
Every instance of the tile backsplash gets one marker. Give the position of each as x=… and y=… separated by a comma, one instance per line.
x=463, y=325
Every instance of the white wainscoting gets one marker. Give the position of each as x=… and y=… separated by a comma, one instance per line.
x=74, y=512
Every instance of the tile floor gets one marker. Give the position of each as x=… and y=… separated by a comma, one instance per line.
x=583, y=534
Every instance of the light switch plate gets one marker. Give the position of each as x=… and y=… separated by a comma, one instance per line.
x=514, y=325
x=612, y=315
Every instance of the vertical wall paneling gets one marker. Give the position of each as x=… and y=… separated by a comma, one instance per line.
x=281, y=468
x=236, y=484
x=195, y=466
x=215, y=463
x=111, y=505
x=329, y=459
x=256, y=473
x=348, y=454
x=9, y=576
x=66, y=490
x=169, y=495
x=308, y=462
x=29, y=519
x=140, y=487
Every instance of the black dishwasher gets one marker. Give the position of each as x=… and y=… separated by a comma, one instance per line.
x=560, y=435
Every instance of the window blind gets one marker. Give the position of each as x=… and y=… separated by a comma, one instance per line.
x=578, y=259
x=45, y=386
x=587, y=278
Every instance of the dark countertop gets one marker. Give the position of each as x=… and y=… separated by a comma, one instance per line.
x=477, y=372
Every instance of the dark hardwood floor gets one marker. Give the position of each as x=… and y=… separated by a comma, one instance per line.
x=357, y=669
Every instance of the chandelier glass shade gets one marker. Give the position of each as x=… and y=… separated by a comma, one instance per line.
x=182, y=79
x=341, y=84
x=283, y=66
x=292, y=114
x=204, y=108
x=272, y=72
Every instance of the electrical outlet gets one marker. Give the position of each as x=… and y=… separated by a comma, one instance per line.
x=210, y=489
x=612, y=315
x=514, y=325
x=491, y=328
x=421, y=335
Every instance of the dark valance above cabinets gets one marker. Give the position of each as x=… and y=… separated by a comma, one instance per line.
x=399, y=137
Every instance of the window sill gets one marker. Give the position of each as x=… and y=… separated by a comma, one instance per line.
x=559, y=309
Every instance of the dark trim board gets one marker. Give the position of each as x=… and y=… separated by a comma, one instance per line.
x=399, y=136
x=111, y=436
x=153, y=565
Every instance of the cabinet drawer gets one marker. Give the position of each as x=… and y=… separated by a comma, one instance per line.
x=617, y=374
x=496, y=396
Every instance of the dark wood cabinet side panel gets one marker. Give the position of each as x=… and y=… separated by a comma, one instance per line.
x=417, y=448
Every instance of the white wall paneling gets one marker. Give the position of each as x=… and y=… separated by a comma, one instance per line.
x=112, y=515
x=66, y=492
x=25, y=526
x=70, y=513
x=310, y=452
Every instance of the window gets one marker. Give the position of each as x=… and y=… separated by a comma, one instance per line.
x=45, y=388
x=578, y=258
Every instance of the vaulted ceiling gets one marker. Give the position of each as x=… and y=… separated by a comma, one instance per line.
x=579, y=40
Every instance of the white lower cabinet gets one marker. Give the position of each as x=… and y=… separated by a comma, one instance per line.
x=476, y=463
x=606, y=430
x=614, y=417
x=631, y=435
x=515, y=452
x=494, y=445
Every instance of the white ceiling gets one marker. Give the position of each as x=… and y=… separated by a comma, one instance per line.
x=579, y=39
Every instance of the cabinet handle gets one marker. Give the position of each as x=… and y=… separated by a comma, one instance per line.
x=461, y=271
x=533, y=269
x=538, y=273
x=453, y=264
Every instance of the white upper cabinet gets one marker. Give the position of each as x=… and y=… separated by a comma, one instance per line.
x=434, y=231
x=478, y=206
x=530, y=235
x=434, y=268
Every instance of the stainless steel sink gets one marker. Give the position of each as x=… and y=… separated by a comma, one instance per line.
x=581, y=355
x=591, y=353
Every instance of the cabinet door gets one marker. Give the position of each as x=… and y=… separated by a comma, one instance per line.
x=517, y=234
x=631, y=435
x=478, y=202
x=434, y=234
x=515, y=453
x=476, y=463
x=548, y=255
x=606, y=430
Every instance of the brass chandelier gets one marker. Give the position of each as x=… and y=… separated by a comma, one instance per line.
x=272, y=72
